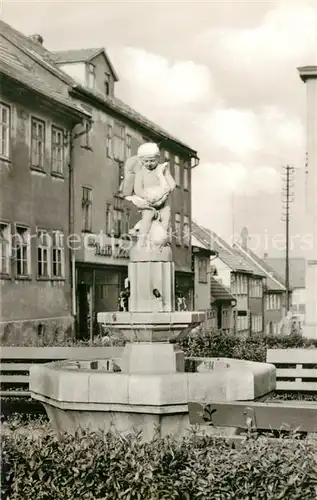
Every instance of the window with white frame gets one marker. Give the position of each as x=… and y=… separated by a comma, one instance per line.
x=186, y=231
x=58, y=254
x=5, y=119
x=177, y=170
x=37, y=143
x=22, y=251
x=109, y=150
x=242, y=323
x=5, y=248
x=91, y=75
x=178, y=228
x=43, y=254
x=273, y=302
x=186, y=176
x=256, y=325
x=203, y=270
x=128, y=146
x=57, y=150
x=255, y=288
x=239, y=284
x=86, y=203
x=119, y=142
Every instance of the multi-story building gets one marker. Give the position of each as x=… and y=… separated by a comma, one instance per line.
x=244, y=281
x=297, y=280
x=96, y=157
x=202, y=279
x=117, y=131
x=36, y=122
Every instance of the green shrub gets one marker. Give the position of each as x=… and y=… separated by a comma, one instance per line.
x=99, y=467
x=221, y=344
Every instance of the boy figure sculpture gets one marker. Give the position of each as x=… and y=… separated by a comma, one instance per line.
x=152, y=185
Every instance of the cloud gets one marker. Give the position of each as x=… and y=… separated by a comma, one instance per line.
x=287, y=34
x=179, y=83
x=245, y=132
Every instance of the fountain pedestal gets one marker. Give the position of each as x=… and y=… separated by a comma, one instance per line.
x=150, y=390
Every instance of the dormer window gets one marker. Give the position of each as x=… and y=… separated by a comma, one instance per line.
x=107, y=83
x=91, y=76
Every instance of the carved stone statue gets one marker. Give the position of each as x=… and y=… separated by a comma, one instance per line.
x=148, y=184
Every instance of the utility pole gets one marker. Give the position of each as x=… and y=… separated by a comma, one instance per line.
x=288, y=198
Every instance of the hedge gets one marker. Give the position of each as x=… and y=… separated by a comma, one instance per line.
x=96, y=466
x=253, y=348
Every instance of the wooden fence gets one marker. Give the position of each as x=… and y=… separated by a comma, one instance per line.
x=16, y=361
x=296, y=369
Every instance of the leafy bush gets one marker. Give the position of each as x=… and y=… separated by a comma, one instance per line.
x=228, y=345
x=95, y=466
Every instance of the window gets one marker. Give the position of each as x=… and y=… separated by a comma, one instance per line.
x=256, y=325
x=239, y=284
x=242, y=323
x=126, y=227
x=57, y=150
x=178, y=228
x=117, y=215
x=108, y=215
x=86, y=136
x=119, y=142
x=5, y=250
x=107, y=83
x=86, y=209
x=128, y=147
x=186, y=176
x=91, y=75
x=186, y=231
x=37, y=143
x=4, y=130
x=177, y=171
x=22, y=251
x=203, y=270
x=43, y=246
x=57, y=254
x=255, y=288
x=273, y=302
x=109, y=142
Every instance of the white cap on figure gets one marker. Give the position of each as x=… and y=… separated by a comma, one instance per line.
x=148, y=149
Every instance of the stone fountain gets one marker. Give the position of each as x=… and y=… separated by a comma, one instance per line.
x=147, y=389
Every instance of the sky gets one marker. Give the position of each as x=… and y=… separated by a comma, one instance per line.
x=219, y=75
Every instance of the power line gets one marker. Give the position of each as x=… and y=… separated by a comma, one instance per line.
x=287, y=199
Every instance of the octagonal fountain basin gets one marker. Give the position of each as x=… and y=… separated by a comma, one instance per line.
x=101, y=394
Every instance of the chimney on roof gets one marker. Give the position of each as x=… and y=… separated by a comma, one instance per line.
x=37, y=38
x=244, y=238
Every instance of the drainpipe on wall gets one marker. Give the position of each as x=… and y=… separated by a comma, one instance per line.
x=71, y=212
x=71, y=226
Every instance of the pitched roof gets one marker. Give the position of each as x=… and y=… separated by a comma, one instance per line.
x=81, y=55
x=274, y=282
x=75, y=55
x=218, y=291
x=226, y=253
x=130, y=113
x=20, y=71
x=297, y=269
x=45, y=58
